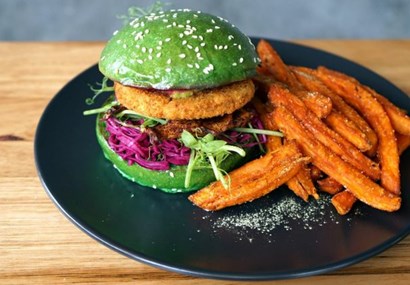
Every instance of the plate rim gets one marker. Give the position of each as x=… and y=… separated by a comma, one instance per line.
x=203, y=273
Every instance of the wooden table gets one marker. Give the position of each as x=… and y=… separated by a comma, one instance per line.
x=38, y=245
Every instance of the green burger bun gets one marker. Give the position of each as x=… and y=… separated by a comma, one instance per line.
x=178, y=49
x=185, y=52
x=172, y=180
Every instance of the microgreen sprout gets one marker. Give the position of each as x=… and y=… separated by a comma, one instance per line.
x=102, y=109
x=148, y=121
x=208, y=152
x=103, y=87
x=256, y=132
x=137, y=12
x=259, y=131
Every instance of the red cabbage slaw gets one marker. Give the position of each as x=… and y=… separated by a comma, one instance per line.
x=134, y=145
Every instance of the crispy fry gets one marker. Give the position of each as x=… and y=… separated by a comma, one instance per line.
x=375, y=114
x=326, y=160
x=297, y=188
x=315, y=173
x=403, y=142
x=319, y=104
x=399, y=119
x=280, y=96
x=272, y=62
x=253, y=180
x=303, y=182
x=343, y=202
x=310, y=81
x=273, y=142
x=329, y=185
x=349, y=130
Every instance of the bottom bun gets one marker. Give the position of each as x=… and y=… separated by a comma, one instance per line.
x=172, y=180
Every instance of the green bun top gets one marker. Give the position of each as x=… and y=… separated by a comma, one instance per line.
x=178, y=49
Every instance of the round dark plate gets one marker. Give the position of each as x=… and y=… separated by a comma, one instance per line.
x=275, y=237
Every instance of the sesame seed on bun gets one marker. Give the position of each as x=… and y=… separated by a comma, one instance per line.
x=178, y=49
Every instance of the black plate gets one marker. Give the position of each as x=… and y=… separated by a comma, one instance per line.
x=274, y=237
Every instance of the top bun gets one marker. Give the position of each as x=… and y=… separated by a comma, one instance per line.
x=178, y=49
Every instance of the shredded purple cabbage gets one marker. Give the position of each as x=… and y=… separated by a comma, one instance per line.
x=136, y=146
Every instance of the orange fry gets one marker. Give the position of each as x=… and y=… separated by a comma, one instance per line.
x=329, y=185
x=319, y=104
x=302, y=185
x=375, y=114
x=398, y=117
x=349, y=130
x=326, y=160
x=343, y=202
x=273, y=142
x=297, y=188
x=281, y=96
x=273, y=63
x=253, y=180
x=310, y=81
x=315, y=173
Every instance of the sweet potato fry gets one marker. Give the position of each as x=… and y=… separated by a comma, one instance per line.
x=375, y=114
x=310, y=81
x=273, y=142
x=343, y=202
x=319, y=104
x=398, y=117
x=303, y=184
x=349, y=130
x=315, y=173
x=330, y=163
x=329, y=185
x=297, y=188
x=281, y=96
x=273, y=63
x=403, y=142
x=253, y=180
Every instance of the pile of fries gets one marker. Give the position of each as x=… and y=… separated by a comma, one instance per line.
x=340, y=137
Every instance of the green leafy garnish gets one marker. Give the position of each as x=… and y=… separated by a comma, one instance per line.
x=148, y=121
x=102, y=109
x=137, y=12
x=103, y=87
x=207, y=152
x=256, y=132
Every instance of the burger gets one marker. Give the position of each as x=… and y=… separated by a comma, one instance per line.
x=179, y=117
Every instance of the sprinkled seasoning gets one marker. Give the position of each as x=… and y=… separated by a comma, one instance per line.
x=285, y=213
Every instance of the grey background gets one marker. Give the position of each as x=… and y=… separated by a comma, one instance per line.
x=58, y=20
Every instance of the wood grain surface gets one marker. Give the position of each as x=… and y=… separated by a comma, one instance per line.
x=38, y=245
